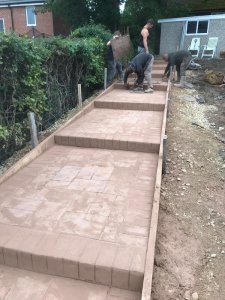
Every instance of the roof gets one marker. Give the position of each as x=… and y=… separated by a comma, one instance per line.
x=194, y=18
x=20, y=2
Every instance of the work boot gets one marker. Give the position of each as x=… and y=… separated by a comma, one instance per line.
x=138, y=88
x=182, y=82
x=149, y=90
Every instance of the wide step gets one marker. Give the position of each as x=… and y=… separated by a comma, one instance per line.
x=24, y=285
x=116, y=130
x=83, y=214
x=129, y=100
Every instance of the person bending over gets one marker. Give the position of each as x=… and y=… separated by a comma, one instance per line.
x=141, y=64
x=180, y=59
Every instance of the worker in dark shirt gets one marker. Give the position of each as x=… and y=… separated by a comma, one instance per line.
x=180, y=59
x=141, y=64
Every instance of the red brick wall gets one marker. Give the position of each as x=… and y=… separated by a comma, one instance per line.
x=44, y=22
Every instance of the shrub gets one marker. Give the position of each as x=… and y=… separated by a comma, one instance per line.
x=41, y=76
x=92, y=30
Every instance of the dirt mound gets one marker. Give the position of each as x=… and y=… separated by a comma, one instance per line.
x=214, y=78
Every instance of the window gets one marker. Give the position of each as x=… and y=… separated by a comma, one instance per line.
x=30, y=15
x=197, y=27
x=2, y=27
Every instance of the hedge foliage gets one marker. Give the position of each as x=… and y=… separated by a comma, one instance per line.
x=41, y=75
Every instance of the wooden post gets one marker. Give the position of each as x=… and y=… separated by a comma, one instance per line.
x=105, y=79
x=164, y=169
x=79, y=96
x=33, y=129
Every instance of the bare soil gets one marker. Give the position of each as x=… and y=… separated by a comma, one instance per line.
x=190, y=250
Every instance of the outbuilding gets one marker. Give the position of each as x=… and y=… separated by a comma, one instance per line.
x=181, y=33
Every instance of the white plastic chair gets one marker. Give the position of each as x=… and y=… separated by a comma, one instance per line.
x=210, y=49
x=194, y=47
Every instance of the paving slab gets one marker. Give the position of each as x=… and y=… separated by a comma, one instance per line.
x=60, y=212
x=24, y=285
x=115, y=129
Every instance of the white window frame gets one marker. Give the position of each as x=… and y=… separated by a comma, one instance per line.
x=35, y=23
x=196, y=33
x=3, y=21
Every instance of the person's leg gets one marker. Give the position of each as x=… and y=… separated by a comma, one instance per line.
x=178, y=73
x=184, y=65
x=119, y=70
x=111, y=71
x=148, y=75
x=141, y=50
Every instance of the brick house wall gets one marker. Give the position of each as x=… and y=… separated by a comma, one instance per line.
x=44, y=21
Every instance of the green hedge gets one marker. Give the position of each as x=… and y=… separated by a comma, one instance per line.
x=41, y=75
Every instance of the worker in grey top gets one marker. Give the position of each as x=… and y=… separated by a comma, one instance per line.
x=180, y=59
x=141, y=64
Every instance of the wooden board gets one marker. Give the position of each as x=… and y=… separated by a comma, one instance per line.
x=121, y=47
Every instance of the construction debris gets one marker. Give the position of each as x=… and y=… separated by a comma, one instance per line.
x=214, y=78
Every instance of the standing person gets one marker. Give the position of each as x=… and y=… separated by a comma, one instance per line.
x=113, y=65
x=144, y=37
x=180, y=59
x=141, y=64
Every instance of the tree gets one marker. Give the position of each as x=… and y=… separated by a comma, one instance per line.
x=80, y=12
x=137, y=12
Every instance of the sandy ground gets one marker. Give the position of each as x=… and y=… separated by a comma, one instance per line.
x=190, y=250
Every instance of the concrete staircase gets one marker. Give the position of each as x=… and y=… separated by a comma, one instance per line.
x=82, y=209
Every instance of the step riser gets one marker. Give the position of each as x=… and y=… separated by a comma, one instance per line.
x=129, y=106
x=58, y=266
x=157, y=87
x=154, y=75
x=159, y=67
x=85, y=142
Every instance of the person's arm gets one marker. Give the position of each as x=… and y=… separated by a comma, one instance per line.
x=167, y=70
x=145, y=35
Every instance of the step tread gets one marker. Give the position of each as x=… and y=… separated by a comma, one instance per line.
x=76, y=206
x=20, y=284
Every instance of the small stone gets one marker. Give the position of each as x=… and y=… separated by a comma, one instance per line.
x=178, y=179
x=194, y=296
x=184, y=170
x=188, y=98
x=187, y=295
x=213, y=255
